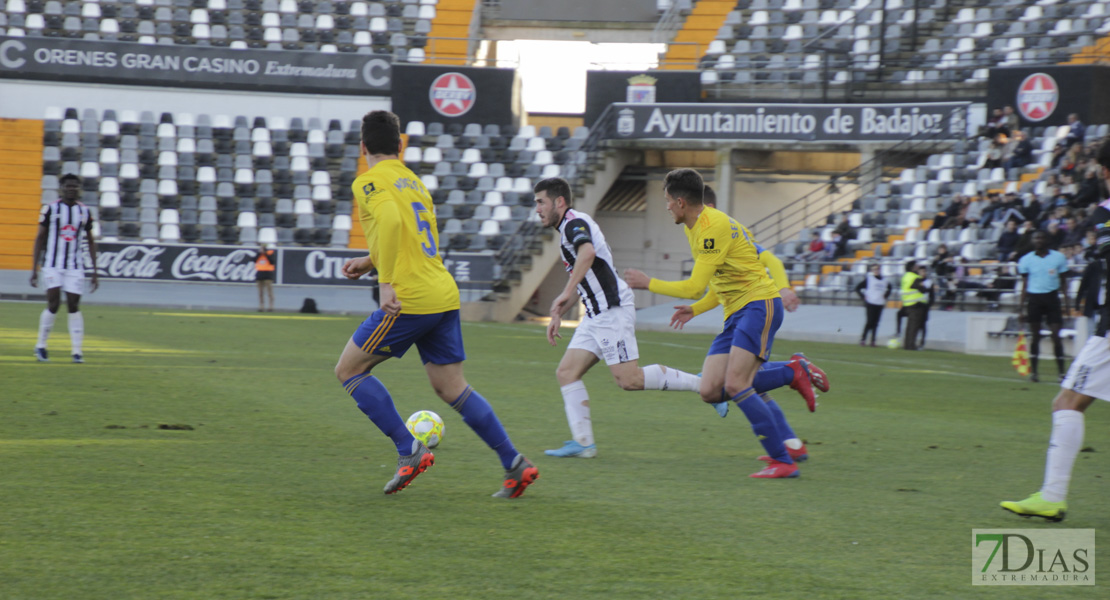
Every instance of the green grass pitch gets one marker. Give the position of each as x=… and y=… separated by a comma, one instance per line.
x=275, y=491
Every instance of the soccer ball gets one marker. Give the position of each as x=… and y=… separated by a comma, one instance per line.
x=894, y=344
x=427, y=427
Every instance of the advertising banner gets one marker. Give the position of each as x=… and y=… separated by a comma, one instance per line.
x=1046, y=95
x=233, y=264
x=62, y=59
x=451, y=94
x=789, y=122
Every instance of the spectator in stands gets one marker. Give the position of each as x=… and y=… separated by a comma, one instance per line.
x=1008, y=241
x=993, y=207
x=1069, y=160
x=815, y=250
x=1003, y=281
x=1021, y=153
x=1068, y=188
x=845, y=229
x=1025, y=241
x=1076, y=130
x=1033, y=209
x=994, y=124
x=1009, y=120
x=1055, y=235
x=954, y=213
x=1073, y=234
x=1010, y=210
x=1088, y=192
x=993, y=155
x=874, y=291
x=835, y=249
x=974, y=212
x=1077, y=262
x=943, y=262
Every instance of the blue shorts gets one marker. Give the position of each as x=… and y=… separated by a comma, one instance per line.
x=751, y=328
x=438, y=336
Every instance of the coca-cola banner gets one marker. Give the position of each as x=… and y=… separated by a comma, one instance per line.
x=231, y=264
x=166, y=262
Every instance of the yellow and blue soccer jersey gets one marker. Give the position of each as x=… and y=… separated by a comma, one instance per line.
x=739, y=277
x=399, y=220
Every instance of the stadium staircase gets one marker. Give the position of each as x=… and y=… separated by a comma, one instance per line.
x=1099, y=53
x=20, y=175
x=693, y=38
x=450, y=32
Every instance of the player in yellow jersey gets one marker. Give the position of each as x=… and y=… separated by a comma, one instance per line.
x=419, y=305
x=726, y=259
x=790, y=301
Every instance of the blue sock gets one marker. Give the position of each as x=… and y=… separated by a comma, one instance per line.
x=375, y=402
x=763, y=424
x=478, y=414
x=772, y=376
x=785, y=431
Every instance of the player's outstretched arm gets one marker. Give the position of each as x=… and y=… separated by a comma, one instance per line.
x=690, y=288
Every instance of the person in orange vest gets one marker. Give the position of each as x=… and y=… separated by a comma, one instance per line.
x=265, y=267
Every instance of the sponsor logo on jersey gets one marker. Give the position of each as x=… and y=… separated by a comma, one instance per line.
x=68, y=233
x=453, y=94
x=1037, y=97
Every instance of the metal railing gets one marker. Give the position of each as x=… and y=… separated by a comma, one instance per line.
x=669, y=24
x=817, y=206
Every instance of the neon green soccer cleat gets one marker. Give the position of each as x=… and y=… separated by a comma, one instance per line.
x=1035, y=506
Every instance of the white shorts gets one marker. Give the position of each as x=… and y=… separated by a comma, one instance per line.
x=70, y=280
x=611, y=336
x=1090, y=371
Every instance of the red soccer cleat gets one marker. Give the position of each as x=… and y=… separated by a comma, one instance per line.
x=777, y=470
x=816, y=376
x=408, y=467
x=799, y=455
x=802, y=384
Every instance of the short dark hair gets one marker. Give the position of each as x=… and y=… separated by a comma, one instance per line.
x=911, y=265
x=708, y=196
x=686, y=184
x=381, y=132
x=69, y=176
x=555, y=187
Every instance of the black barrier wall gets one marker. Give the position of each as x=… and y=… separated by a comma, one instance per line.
x=1043, y=96
x=456, y=95
x=788, y=122
x=231, y=264
x=638, y=87
x=61, y=59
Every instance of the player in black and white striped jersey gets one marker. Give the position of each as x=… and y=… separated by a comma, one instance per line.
x=609, y=330
x=63, y=225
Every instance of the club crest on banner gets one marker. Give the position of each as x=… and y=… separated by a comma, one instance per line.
x=641, y=89
x=453, y=94
x=1037, y=97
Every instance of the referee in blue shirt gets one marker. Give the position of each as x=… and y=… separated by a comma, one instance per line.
x=1043, y=274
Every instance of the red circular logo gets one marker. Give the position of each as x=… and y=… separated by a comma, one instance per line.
x=452, y=94
x=1037, y=97
x=68, y=233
